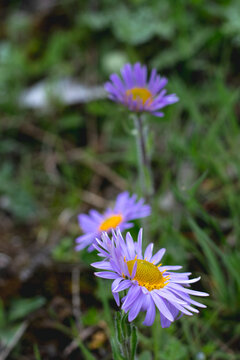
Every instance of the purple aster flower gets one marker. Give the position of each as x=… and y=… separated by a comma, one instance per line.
x=137, y=92
x=150, y=285
x=126, y=208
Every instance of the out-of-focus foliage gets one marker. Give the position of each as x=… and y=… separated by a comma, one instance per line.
x=12, y=321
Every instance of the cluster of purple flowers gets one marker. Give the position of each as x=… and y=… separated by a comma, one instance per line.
x=149, y=284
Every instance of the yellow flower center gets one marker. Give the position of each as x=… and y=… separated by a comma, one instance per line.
x=142, y=94
x=147, y=274
x=111, y=222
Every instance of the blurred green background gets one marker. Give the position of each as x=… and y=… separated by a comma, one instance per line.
x=64, y=148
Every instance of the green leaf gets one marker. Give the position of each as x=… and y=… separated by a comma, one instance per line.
x=133, y=340
x=7, y=334
x=97, y=20
x=118, y=328
x=36, y=352
x=124, y=324
x=70, y=121
x=139, y=26
x=116, y=353
x=211, y=259
x=20, y=308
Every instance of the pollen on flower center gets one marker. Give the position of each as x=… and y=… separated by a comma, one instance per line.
x=147, y=274
x=142, y=94
x=111, y=222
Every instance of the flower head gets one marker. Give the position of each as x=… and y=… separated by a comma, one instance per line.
x=126, y=208
x=137, y=93
x=150, y=285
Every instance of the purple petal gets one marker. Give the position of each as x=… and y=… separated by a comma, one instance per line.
x=190, y=308
x=134, y=270
x=125, y=284
x=151, y=313
x=87, y=224
x=160, y=83
x=113, y=91
x=187, y=298
x=148, y=252
x=117, y=82
x=132, y=295
x=170, y=267
x=106, y=275
x=140, y=74
x=158, y=256
x=188, y=291
x=116, y=298
x=130, y=245
x=96, y=215
x=176, y=305
x=161, y=305
x=158, y=114
x=127, y=75
x=84, y=240
x=188, y=281
x=105, y=265
x=139, y=244
x=152, y=79
x=135, y=308
x=165, y=323
x=169, y=296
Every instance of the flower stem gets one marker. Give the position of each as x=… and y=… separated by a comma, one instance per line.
x=145, y=173
x=126, y=335
x=156, y=340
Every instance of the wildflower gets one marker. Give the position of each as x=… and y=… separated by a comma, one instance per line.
x=150, y=285
x=137, y=93
x=126, y=208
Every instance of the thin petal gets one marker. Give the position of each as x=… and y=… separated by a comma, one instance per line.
x=135, y=308
x=105, y=265
x=116, y=298
x=131, y=296
x=125, y=284
x=188, y=291
x=150, y=314
x=148, y=252
x=106, y=275
x=160, y=303
x=158, y=256
x=189, y=281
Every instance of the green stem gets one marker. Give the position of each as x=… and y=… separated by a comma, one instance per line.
x=145, y=173
x=108, y=317
x=156, y=337
x=126, y=336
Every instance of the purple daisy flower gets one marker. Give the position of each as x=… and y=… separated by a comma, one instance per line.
x=150, y=285
x=126, y=208
x=137, y=93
